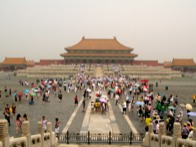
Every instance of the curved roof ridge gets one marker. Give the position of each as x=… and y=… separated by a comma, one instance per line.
x=98, y=44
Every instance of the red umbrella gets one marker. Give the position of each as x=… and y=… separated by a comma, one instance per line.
x=20, y=94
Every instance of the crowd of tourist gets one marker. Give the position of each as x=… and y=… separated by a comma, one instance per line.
x=134, y=96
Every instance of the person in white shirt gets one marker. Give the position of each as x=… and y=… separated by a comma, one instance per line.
x=117, y=98
x=157, y=126
x=190, y=136
x=44, y=124
x=124, y=107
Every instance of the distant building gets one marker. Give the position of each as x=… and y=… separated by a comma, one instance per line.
x=147, y=62
x=99, y=51
x=46, y=62
x=30, y=63
x=167, y=64
x=11, y=64
x=183, y=65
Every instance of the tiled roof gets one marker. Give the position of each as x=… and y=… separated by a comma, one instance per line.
x=97, y=55
x=49, y=61
x=14, y=61
x=183, y=62
x=99, y=44
x=146, y=62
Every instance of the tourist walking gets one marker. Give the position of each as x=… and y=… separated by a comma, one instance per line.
x=60, y=96
x=25, y=117
x=57, y=128
x=124, y=107
x=18, y=123
x=185, y=131
x=44, y=123
x=7, y=116
x=83, y=105
x=117, y=98
x=76, y=100
x=13, y=109
x=10, y=92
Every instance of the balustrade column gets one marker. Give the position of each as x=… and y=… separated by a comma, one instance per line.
x=4, y=136
x=41, y=132
x=26, y=132
x=176, y=133
x=150, y=131
x=161, y=132
x=49, y=129
x=194, y=134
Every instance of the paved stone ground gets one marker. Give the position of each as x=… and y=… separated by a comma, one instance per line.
x=63, y=110
x=184, y=88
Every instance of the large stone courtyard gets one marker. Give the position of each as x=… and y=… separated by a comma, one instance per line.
x=184, y=88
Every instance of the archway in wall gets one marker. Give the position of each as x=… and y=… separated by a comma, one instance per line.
x=98, y=61
x=84, y=61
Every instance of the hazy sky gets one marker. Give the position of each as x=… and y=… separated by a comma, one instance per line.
x=40, y=29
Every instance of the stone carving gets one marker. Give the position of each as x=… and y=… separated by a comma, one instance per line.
x=3, y=128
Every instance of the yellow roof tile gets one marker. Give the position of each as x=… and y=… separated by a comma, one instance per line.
x=14, y=61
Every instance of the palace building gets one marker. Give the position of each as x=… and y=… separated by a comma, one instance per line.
x=11, y=64
x=106, y=51
x=183, y=65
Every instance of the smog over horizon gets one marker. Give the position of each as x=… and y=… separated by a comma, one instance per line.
x=157, y=30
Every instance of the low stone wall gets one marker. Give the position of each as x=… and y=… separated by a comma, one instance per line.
x=41, y=139
x=161, y=140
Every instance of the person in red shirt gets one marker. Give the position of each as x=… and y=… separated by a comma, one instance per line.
x=76, y=100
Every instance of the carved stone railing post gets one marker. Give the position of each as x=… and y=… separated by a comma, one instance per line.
x=161, y=132
x=194, y=134
x=4, y=136
x=41, y=132
x=49, y=129
x=26, y=132
x=176, y=133
x=150, y=131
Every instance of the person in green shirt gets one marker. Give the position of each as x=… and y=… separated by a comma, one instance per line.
x=158, y=108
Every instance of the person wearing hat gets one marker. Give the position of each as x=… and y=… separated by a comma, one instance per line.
x=185, y=131
x=190, y=136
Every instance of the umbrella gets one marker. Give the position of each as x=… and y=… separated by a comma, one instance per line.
x=172, y=107
x=189, y=107
x=32, y=93
x=14, y=94
x=20, y=94
x=192, y=113
x=103, y=100
x=182, y=105
x=48, y=86
x=112, y=90
x=36, y=90
x=139, y=103
x=26, y=91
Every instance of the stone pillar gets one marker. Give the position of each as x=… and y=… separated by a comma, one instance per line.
x=49, y=129
x=26, y=132
x=176, y=133
x=4, y=136
x=41, y=132
x=194, y=134
x=161, y=132
x=150, y=131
